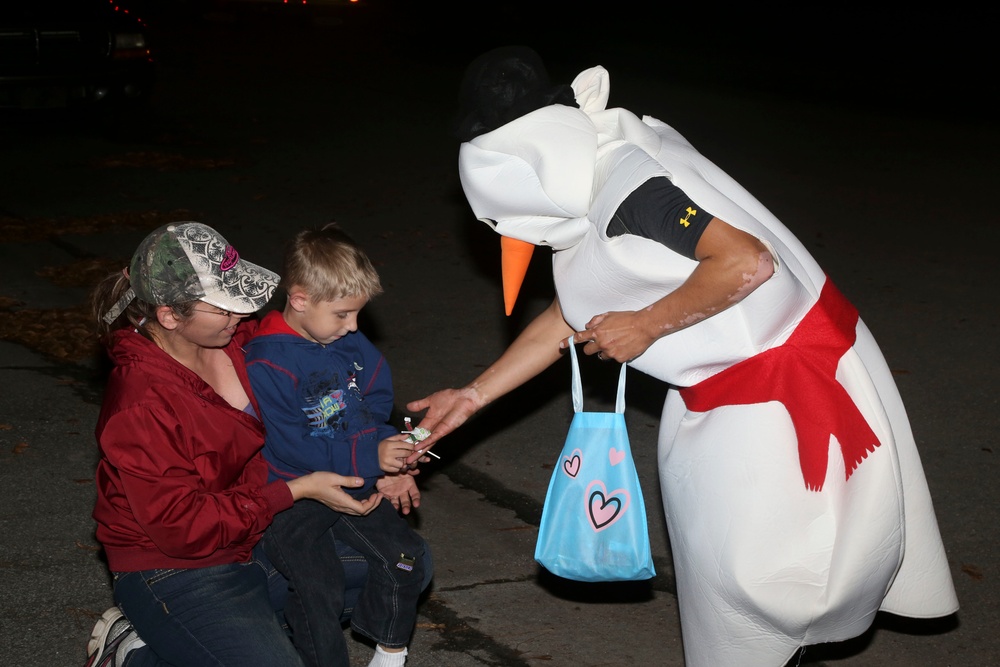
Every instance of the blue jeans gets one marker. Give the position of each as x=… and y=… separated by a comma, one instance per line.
x=298, y=543
x=218, y=616
x=355, y=575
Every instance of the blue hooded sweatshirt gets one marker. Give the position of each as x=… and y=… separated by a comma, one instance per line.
x=325, y=407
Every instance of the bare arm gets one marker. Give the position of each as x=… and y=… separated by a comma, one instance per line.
x=534, y=350
x=731, y=265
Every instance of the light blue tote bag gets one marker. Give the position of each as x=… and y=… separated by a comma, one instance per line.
x=594, y=519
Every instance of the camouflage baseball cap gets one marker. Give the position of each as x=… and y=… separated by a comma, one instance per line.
x=188, y=261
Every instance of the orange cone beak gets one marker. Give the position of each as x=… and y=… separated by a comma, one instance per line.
x=514, y=260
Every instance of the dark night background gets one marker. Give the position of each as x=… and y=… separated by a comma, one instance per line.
x=930, y=60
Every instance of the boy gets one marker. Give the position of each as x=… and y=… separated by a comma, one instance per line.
x=325, y=395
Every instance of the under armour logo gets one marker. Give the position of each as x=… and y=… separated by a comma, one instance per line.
x=685, y=220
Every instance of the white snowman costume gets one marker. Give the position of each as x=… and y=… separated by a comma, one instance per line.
x=779, y=540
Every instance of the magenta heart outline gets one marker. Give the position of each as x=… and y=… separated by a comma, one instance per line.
x=571, y=464
x=603, y=508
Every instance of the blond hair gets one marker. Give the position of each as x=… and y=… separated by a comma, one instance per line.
x=328, y=265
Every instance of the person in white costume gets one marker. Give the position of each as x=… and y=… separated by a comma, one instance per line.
x=795, y=499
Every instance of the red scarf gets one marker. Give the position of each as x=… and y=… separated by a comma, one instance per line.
x=801, y=375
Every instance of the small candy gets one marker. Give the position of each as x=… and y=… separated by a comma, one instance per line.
x=418, y=434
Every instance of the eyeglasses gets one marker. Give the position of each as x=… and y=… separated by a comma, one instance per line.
x=226, y=313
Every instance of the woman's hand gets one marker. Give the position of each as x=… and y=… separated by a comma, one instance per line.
x=401, y=490
x=328, y=488
x=446, y=410
x=618, y=336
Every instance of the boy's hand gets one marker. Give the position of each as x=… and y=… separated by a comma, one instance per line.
x=393, y=452
x=401, y=490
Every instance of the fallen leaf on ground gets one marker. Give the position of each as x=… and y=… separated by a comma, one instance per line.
x=162, y=161
x=64, y=334
x=39, y=229
x=82, y=273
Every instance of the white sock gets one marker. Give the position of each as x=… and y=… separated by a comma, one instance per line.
x=386, y=659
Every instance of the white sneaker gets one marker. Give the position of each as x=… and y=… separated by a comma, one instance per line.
x=130, y=643
x=109, y=631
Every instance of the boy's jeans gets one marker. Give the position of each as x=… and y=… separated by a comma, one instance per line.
x=398, y=570
x=220, y=615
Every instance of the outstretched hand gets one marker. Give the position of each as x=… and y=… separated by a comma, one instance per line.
x=446, y=410
x=535, y=349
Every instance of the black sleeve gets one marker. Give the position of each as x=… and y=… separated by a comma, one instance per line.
x=660, y=211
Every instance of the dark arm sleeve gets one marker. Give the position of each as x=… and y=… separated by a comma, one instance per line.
x=660, y=211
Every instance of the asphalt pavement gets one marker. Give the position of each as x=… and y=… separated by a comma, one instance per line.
x=265, y=122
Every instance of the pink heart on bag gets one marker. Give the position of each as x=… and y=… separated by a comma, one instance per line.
x=603, y=508
x=616, y=456
x=571, y=464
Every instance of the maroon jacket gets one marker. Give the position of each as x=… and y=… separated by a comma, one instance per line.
x=181, y=482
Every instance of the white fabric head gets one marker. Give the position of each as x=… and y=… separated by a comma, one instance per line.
x=532, y=178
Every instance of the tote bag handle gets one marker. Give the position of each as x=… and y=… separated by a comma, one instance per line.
x=578, y=386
